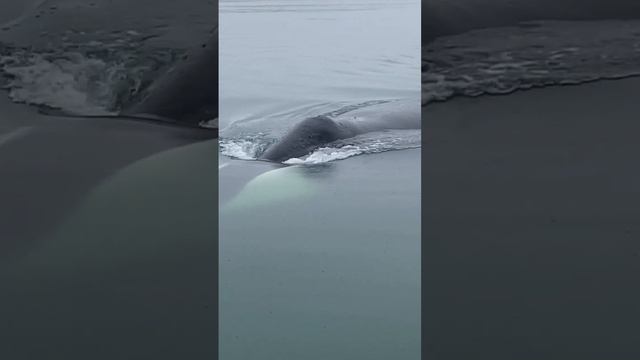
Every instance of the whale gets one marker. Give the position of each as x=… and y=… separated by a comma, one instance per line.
x=444, y=17
x=313, y=132
x=188, y=92
x=95, y=147
x=104, y=212
x=185, y=95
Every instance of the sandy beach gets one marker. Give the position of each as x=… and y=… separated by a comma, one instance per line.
x=530, y=224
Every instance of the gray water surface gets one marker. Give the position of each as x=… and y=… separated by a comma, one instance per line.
x=318, y=261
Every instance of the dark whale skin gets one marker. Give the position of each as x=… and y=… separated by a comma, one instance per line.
x=306, y=136
x=317, y=131
x=188, y=93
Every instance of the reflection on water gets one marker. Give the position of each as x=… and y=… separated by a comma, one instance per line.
x=317, y=261
x=322, y=262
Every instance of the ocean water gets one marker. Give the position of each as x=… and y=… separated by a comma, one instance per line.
x=82, y=274
x=321, y=261
x=283, y=61
x=531, y=54
x=515, y=266
x=319, y=256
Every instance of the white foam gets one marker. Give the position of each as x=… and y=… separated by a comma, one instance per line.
x=503, y=60
x=77, y=84
x=92, y=74
x=324, y=155
x=211, y=123
x=370, y=143
x=244, y=149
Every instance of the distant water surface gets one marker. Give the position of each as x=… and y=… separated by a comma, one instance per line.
x=318, y=260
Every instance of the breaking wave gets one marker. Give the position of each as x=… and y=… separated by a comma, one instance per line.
x=240, y=142
x=93, y=74
x=532, y=54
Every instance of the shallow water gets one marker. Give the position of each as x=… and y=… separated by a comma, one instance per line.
x=320, y=259
x=283, y=61
x=322, y=262
x=81, y=272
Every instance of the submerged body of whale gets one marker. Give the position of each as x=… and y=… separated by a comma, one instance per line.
x=314, y=132
x=446, y=17
x=187, y=93
x=84, y=145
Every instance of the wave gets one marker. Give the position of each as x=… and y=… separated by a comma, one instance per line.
x=247, y=140
x=91, y=73
x=531, y=54
x=370, y=143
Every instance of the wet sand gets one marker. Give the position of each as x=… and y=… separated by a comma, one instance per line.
x=530, y=224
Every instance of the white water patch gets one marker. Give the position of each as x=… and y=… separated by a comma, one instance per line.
x=534, y=54
x=90, y=74
x=75, y=84
x=251, y=148
x=211, y=123
x=370, y=143
x=244, y=148
x=327, y=154
x=272, y=187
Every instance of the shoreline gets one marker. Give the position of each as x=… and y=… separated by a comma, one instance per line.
x=532, y=87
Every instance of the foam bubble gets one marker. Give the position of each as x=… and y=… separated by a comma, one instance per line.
x=546, y=53
x=370, y=143
x=96, y=76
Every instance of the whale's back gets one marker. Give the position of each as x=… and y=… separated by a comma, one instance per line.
x=188, y=93
x=316, y=131
x=305, y=136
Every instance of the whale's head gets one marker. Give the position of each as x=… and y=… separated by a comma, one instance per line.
x=306, y=136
